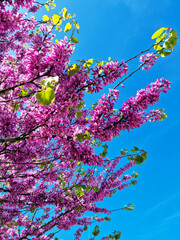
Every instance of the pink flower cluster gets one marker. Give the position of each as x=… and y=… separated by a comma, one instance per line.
x=105, y=124
x=148, y=59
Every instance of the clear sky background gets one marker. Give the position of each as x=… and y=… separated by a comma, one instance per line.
x=120, y=29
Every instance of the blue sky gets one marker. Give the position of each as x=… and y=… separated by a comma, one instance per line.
x=120, y=29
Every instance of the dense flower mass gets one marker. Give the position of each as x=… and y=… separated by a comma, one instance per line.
x=50, y=172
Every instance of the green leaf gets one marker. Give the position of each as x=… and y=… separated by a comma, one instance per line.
x=79, y=208
x=74, y=40
x=23, y=93
x=79, y=192
x=87, y=135
x=32, y=210
x=83, y=173
x=94, y=105
x=135, y=174
x=42, y=165
x=83, y=136
x=158, y=32
x=88, y=188
x=163, y=53
x=46, y=97
x=107, y=219
x=74, y=68
x=96, y=231
x=96, y=189
x=85, y=228
x=104, y=153
x=134, y=149
x=56, y=19
x=15, y=106
x=60, y=179
x=63, y=184
x=124, y=151
x=51, y=167
x=163, y=116
x=67, y=27
x=133, y=182
x=140, y=158
x=80, y=137
x=78, y=114
x=170, y=43
x=130, y=207
x=144, y=155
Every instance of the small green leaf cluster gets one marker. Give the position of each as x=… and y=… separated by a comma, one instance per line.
x=163, y=115
x=104, y=152
x=24, y=92
x=63, y=182
x=79, y=189
x=96, y=231
x=87, y=63
x=49, y=3
x=129, y=207
x=56, y=21
x=47, y=95
x=15, y=106
x=135, y=175
x=166, y=40
x=138, y=157
x=79, y=208
x=94, y=105
x=115, y=235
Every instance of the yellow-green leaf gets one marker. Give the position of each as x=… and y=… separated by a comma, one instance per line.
x=64, y=12
x=74, y=68
x=88, y=63
x=47, y=7
x=157, y=47
x=78, y=114
x=56, y=19
x=67, y=27
x=46, y=97
x=158, y=32
x=162, y=37
x=45, y=18
x=74, y=40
